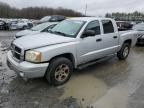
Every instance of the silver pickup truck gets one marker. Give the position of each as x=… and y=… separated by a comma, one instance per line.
x=71, y=44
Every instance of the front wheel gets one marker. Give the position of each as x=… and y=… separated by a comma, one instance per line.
x=124, y=52
x=59, y=71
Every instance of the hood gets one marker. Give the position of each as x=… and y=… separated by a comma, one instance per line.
x=26, y=32
x=41, y=40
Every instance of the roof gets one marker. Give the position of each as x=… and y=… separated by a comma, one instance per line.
x=89, y=18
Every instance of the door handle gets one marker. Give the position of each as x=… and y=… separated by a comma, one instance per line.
x=115, y=37
x=98, y=40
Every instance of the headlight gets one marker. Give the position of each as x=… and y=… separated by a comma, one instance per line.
x=33, y=56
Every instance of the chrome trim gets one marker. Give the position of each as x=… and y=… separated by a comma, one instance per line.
x=101, y=50
x=21, y=54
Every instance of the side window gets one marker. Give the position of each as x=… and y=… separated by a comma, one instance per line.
x=107, y=26
x=94, y=25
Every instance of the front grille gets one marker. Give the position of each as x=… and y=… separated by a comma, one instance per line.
x=17, y=56
x=16, y=51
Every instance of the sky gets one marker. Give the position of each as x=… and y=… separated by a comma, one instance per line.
x=94, y=7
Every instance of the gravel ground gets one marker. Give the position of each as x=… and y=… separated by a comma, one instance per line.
x=111, y=83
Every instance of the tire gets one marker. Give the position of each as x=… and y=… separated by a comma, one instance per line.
x=24, y=27
x=59, y=71
x=124, y=52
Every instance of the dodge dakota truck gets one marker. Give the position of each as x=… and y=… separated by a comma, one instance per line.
x=70, y=45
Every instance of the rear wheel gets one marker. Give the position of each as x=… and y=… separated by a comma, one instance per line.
x=124, y=52
x=59, y=71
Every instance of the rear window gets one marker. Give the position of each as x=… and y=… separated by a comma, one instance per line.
x=107, y=26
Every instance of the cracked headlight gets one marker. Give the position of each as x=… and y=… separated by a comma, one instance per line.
x=33, y=56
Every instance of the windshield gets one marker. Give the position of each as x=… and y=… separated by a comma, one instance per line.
x=68, y=28
x=47, y=18
x=139, y=27
x=41, y=27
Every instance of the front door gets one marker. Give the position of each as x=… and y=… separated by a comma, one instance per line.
x=88, y=46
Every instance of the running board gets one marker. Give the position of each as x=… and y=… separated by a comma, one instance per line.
x=94, y=62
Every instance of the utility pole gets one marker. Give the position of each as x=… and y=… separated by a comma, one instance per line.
x=86, y=9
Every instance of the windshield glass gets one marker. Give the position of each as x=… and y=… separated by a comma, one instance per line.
x=139, y=27
x=45, y=19
x=68, y=28
x=41, y=27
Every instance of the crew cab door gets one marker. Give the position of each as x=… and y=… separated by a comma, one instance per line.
x=88, y=46
x=110, y=38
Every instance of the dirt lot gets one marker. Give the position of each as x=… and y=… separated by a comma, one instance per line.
x=109, y=84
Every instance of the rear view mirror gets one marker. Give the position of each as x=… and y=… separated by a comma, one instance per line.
x=88, y=33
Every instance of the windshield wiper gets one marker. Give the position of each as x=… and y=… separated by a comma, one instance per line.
x=57, y=32
x=60, y=33
x=49, y=31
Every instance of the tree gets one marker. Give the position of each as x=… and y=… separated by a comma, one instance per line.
x=34, y=12
x=135, y=16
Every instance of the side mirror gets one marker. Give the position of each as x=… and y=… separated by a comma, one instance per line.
x=88, y=33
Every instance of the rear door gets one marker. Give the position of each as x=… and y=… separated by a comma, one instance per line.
x=110, y=38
